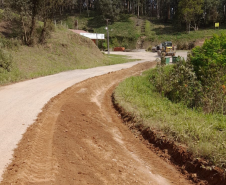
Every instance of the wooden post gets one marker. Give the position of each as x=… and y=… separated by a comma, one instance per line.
x=108, y=35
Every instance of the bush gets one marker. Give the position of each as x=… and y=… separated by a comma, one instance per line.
x=213, y=51
x=5, y=61
x=125, y=43
x=199, y=82
x=114, y=42
x=213, y=81
x=179, y=83
x=9, y=43
x=183, y=45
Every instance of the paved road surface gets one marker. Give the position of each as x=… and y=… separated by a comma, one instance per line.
x=141, y=54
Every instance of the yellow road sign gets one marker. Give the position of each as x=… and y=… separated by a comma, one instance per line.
x=217, y=25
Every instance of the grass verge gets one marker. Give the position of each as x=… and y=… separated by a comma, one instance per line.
x=199, y=131
x=64, y=51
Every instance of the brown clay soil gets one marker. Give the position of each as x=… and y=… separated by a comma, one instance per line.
x=79, y=138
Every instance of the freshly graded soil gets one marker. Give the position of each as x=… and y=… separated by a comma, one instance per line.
x=79, y=138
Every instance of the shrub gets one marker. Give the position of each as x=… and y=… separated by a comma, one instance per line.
x=125, y=43
x=5, y=60
x=114, y=42
x=213, y=51
x=200, y=81
x=213, y=81
x=9, y=43
x=179, y=84
x=191, y=45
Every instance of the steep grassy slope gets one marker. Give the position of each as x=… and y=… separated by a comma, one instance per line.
x=64, y=51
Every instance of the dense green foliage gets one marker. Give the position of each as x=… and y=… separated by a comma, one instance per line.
x=184, y=13
x=109, y=9
x=178, y=83
x=5, y=61
x=213, y=51
x=198, y=82
x=190, y=11
x=35, y=18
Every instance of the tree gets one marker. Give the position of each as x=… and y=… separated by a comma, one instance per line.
x=47, y=9
x=190, y=11
x=24, y=9
x=109, y=8
x=29, y=11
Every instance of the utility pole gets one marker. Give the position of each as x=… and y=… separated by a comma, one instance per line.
x=108, y=35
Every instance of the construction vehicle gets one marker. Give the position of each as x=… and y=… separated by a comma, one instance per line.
x=166, y=49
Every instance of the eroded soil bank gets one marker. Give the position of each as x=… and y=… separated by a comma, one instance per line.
x=79, y=138
x=196, y=169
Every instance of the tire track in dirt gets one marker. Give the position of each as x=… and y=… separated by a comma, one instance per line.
x=79, y=139
x=34, y=161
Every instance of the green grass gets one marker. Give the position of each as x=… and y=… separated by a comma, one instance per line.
x=167, y=32
x=122, y=33
x=64, y=51
x=149, y=33
x=204, y=134
x=117, y=59
x=125, y=26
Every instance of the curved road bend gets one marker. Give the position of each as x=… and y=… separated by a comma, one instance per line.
x=20, y=103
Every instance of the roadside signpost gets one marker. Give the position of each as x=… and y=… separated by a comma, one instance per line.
x=217, y=25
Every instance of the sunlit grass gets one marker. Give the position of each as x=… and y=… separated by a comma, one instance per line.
x=199, y=131
x=161, y=32
x=64, y=51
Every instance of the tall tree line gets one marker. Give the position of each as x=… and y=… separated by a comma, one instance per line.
x=190, y=13
x=162, y=9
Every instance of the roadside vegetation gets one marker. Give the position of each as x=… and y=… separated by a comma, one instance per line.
x=186, y=101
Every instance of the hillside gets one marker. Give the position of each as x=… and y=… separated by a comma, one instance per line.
x=63, y=51
x=132, y=32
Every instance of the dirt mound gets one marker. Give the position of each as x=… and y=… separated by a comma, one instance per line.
x=199, y=42
x=79, y=138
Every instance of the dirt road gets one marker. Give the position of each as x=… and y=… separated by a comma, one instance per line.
x=20, y=103
x=80, y=139
x=141, y=54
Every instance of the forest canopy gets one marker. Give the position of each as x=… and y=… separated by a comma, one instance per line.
x=184, y=14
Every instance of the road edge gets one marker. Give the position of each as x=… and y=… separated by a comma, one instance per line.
x=196, y=169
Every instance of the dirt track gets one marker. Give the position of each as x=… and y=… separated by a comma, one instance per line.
x=79, y=139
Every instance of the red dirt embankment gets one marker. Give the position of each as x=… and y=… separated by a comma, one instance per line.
x=79, y=138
